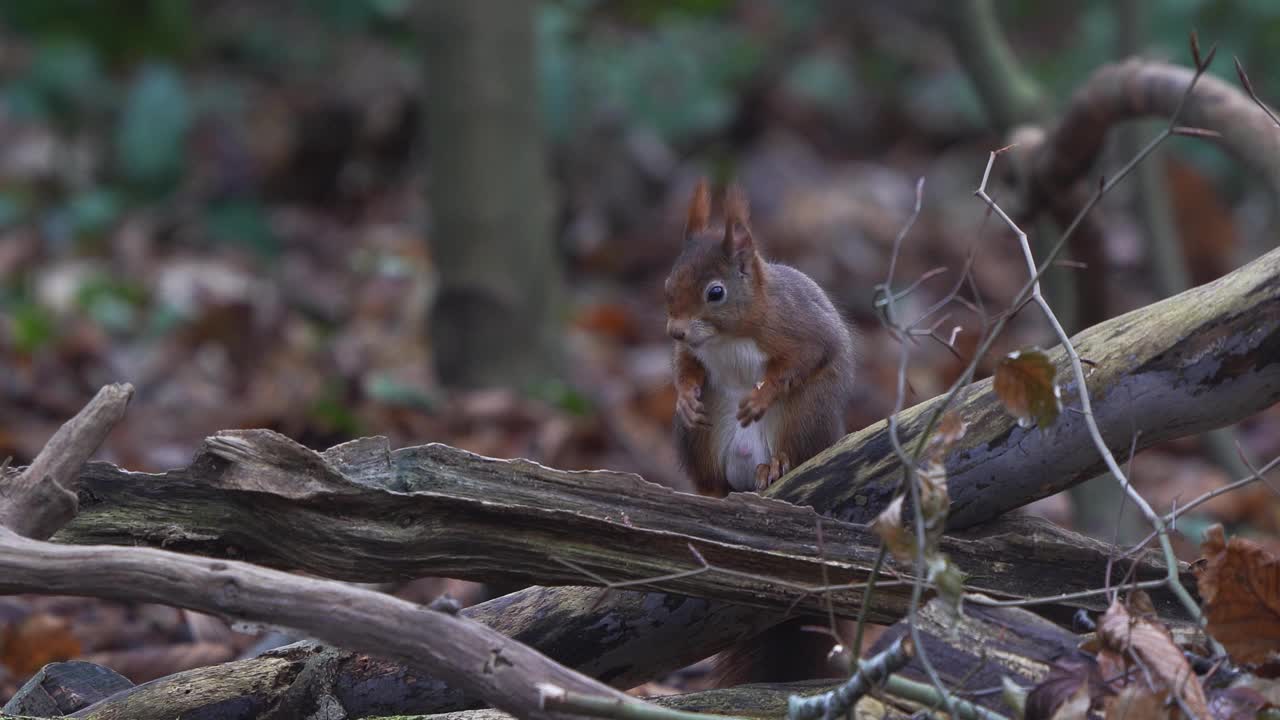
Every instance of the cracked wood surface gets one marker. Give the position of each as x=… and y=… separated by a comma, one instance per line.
x=362, y=512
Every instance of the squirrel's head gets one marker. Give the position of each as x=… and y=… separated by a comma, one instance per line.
x=718, y=277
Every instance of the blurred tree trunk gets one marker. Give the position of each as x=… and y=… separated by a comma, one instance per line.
x=496, y=318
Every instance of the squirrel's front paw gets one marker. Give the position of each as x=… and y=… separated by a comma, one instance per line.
x=689, y=407
x=754, y=405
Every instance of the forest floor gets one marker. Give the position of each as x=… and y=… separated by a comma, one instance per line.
x=284, y=284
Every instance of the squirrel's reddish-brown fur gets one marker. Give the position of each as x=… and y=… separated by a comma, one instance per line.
x=757, y=343
x=763, y=372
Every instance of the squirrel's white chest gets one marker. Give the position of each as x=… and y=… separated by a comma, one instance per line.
x=734, y=367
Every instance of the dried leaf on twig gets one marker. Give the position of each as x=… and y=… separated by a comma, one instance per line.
x=893, y=533
x=1026, y=383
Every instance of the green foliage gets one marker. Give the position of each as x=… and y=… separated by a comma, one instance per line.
x=119, y=32
x=92, y=212
x=353, y=15
x=331, y=414
x=114, y=304
x=244, y=223
x=14, y=207
x=31, y=326
x=151, y=134
x=556, y=27
x=824, y=79
x=387, y=389
x=654, y=11
x=559, y=394
x=63, y=81
x=681, y=79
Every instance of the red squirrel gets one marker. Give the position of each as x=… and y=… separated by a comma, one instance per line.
x=763, y=373
x=763, y=360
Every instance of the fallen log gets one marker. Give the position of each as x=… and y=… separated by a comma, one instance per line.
x=364, y=513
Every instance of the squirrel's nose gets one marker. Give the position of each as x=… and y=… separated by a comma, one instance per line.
x=677, y=329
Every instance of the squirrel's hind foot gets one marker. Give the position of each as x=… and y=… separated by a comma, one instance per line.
x=772, y=471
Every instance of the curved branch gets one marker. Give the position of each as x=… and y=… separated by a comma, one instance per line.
x=1136, y=89
x=465, y=653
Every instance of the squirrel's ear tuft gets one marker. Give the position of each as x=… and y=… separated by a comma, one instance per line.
x=699, y=209
x=737, y=234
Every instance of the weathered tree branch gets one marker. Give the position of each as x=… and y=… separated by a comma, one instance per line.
x=976, y=652
x=1054, y=169
x=467, y=654
x=1136, y=89
x=1199, y=360
x=42, y=498
x=260, y=497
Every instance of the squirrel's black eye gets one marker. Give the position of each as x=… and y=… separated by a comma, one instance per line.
x=715, y=293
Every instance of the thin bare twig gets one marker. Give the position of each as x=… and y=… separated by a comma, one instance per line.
x=1024, y=295
x=928, y=695
x=1206, y=497
x=1173, y=580
x=1253, y=95
x=1027, y=602
x=890, y=320
x=861, y=627
x=1115, y=538
x=705, y=567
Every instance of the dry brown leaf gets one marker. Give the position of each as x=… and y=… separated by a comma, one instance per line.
x=35, y=641
x=895, y=536
x=1073, y=685
x=949, y=430
x=1076, y=706
x=1240, y=583
x=612, y=320
x=1137, y=702
x=1026, y=383
x=1236, y=703
x=1152, y=647
x=1139, y=603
